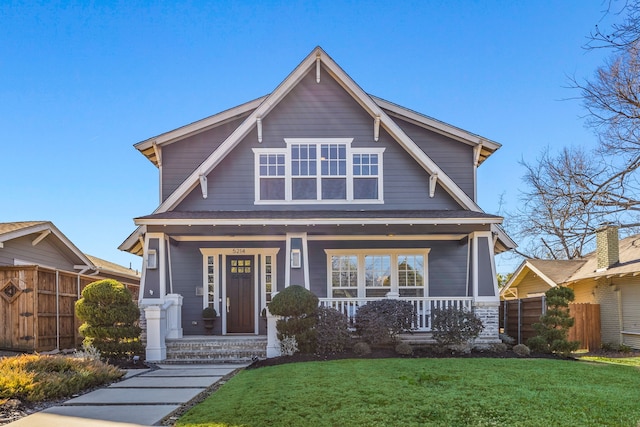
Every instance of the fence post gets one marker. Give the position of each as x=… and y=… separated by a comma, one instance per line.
x=519, y=321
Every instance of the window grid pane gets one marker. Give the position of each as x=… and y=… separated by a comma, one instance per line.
x=211, y=281
x=303, y=160
x=333, y=159
x=344, y=276
x=410, y=271
x=271, y=165
x=378, y=270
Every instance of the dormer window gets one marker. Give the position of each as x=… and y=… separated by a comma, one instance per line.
x=325, y=170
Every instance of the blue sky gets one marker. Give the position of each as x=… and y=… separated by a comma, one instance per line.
x=81, y=82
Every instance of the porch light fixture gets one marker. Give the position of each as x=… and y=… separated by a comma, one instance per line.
x=296, y=260
x=152, y=259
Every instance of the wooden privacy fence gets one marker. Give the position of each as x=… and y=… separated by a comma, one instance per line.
x=37, y=308
x=518, y=316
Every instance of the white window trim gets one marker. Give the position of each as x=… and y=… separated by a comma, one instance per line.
x=349, y=175
x=393, y=253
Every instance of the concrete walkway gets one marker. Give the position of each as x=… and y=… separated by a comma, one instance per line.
x=143, y=398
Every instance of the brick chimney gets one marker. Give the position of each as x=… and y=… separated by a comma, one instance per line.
x=607, y=246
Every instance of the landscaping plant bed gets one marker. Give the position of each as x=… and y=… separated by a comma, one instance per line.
x=389, y=352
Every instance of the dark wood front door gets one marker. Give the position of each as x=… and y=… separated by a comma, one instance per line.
x=240, y=294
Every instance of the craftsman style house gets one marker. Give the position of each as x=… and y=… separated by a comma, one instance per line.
x=317, y=184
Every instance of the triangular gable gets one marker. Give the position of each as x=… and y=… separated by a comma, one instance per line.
x=521, y=273
x=315, y=57
x=11, y=231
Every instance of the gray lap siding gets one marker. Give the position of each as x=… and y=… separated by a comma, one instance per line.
x=325, y=110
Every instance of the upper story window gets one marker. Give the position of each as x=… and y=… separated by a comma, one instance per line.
x=318, y=170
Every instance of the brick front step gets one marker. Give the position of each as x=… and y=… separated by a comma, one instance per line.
x=220, y=349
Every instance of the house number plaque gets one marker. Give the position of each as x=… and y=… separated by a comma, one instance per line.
x=239, y=251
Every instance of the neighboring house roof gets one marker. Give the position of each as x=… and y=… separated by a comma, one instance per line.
x=15, y=230
x=565, y=272
x=44, y=229
x=112, y=268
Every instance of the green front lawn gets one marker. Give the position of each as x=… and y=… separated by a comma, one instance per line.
x=426, y=392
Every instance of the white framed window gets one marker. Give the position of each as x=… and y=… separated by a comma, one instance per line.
x=375, y=273
x=318, y=170
x=210, y=289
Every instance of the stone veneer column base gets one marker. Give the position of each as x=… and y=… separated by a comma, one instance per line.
x=489, y=313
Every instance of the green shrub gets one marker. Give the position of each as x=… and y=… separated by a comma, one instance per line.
x=521, y=350
x=404, y=349
x=553, y=328
x=361, y=348
x=332, y=331
x=380, y=322
x=455, y=326
x=36, y=378
x=110, y=319
x=297, y=306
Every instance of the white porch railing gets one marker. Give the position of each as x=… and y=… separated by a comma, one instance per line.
x=423, y=306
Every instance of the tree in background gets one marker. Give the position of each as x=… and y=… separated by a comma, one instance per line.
x=572, y=193
x=109, y=315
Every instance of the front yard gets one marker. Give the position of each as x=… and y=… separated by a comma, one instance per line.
x=426, y=392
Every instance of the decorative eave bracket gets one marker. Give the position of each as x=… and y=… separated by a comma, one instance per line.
x=259, y=129
x=203, y=185
x=376, y=129
x=156, y=150
x=41, y=237
x=318, y=67
x=433, y=180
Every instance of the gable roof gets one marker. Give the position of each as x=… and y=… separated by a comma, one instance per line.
x=266, y=104
x=15, y=230
x=565, y=272
x=104, y=266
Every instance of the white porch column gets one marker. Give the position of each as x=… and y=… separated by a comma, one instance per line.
x=156, y=332
x=273, y=343
x=174, y=315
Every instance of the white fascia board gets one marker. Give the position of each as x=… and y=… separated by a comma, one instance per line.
x=515, y=278
x=321, y=221
x=438, y=126
x=133, y=239
x=271, y=238
x=540, y=274
x=236, y=136
x=278, y=94
x=399, y=135
x=504, y=237
x=199, y=126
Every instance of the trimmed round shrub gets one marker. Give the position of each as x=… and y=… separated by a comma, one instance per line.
x=521, y=350
x=332, y=331
x=380, y=322
x=455, y=326
x=361, y=348
x=110, y=319
x=404, y=349
x=298, y=307
x=294, y=301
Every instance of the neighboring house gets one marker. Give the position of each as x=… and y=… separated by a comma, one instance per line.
x=610, y=277
x=41, y=276
x=317, y=184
